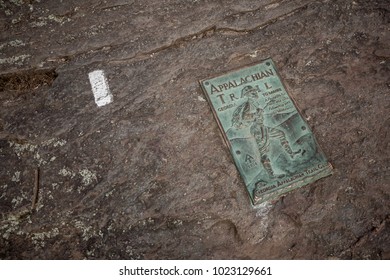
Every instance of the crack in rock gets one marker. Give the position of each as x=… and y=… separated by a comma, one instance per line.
x=202, y=34
x=208, y=32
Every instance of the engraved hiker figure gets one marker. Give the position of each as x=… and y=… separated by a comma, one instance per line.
x=249, y=115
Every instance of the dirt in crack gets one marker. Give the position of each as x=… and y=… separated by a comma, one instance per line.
x=27, y=80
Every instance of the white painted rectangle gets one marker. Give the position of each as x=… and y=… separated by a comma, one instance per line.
x=100, y=88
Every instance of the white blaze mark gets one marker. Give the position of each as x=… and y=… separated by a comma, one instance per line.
x=100, y=88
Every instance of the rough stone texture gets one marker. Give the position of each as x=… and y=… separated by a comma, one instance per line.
x=148, y=176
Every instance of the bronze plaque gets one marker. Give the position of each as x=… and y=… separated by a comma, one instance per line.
x=272, y=146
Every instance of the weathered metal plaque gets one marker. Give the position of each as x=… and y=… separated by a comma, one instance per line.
x=271, y=144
